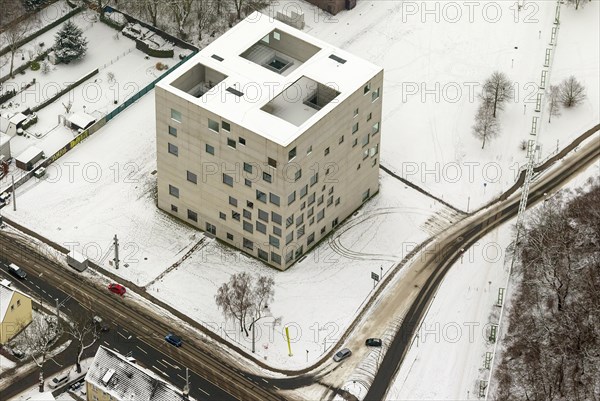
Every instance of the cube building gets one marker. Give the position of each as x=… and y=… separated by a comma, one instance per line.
x=268, y=138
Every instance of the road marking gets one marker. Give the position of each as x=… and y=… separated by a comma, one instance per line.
x=173, y=366
x=141, y=349
x=162, y=364
x=160, y=371
x=277, y=387
x=106, y=343
x=119, y=333
x=264, y=380
x=180, y=376
x=204, y=391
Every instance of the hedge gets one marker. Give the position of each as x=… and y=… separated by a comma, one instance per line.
x=65, y=90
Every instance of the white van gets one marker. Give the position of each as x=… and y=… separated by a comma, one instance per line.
x=59, y=380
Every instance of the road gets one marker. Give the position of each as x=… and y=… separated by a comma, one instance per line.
x=407, y=300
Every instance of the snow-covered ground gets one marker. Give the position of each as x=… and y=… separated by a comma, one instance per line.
x=457, y=324
x=435, y=56
x=5, y=363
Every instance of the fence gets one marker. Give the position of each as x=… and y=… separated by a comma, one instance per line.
x=65, y=90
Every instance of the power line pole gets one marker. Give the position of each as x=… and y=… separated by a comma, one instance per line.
x=116, y=259
x=14, y=193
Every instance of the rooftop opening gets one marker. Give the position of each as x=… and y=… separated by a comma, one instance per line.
x=280, y=52
x=198, y=80
x=338, y=59
x=219, y=58
x=300, y=101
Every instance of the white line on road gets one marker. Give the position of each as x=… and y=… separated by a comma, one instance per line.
x=180, y=376
x=164, y=373
x=204, y=391
x=119, y=333
x=264, y=380
x=141, y=349
x=162, y=364
x=173, y=366
x=107, y=344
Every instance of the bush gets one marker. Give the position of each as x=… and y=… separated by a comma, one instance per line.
x=160, y=66
x=34, y=66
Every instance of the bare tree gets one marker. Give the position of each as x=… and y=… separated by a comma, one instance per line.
x=577, y=3
x=245, y=299
x=486, y=127
x=68, y=106
x=572, y=92
x=85, y=332
x=234, y=298
x=497, y=90
x=152, y=8
x=38, y=337
x=205, y=15
x=238, y=4
x=181, y=10
x=15, y=34
x=553, y=102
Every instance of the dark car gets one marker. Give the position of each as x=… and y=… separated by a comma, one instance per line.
x=173, y=339
x=373, y=342
x=342, y=354
x=100, y=324
x=117, y=289
x=17, y=271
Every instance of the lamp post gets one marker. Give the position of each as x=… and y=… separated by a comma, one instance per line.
x=267, y=314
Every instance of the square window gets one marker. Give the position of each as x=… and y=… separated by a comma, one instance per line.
x=247, y=167
x=365, y=154
x=310, y=212
x=289, y=221
x=192, y=215
x=242, y=141
x=191, y=177
x=355, y=142
x=248, y=227
x=341, y=139
x=309, y=150
x=298, y=175
x=235, y=215
x=277, y=231
x=337, y=201
x=274, y=241
x=321, y=215
x=303, y=206
x=272, y=162
x=366, y=194
x=310, y=239
x=227, y=180
x=173, y=191
x=303, y=191
x=299, y=252
x=369, y=116
x=289, y=238
x=276, y=218
x=374, y=163
x=322, y=230
x=291, y=154
x=365, y=140
x=247, y=182
x=222, y=216
x=232, y=201
x=355, y=112
x=276, y=35
x=250, y=204
x=375, y=128
x=300, y=232
x=173, y=149
x=248, y=244
x=267, y=177
x=274, y=199
x=299, y=220
x=375, y=95
x=334, y=223
x=263, y=255
x=314, y=179
x=262, y=215
x=211, y=229
x=260, y=227
x=330, y=201
x=175, y=115
x=174, y=208
x=291, y=198
x=172, y=131
x=311, y=199
x=247, y=214
x=225, y=126
x=231, y=143
x=331, y=190
x=230, y=236
x=366, y=89
x=275, y=258
x=355, y=128
x=311, y=221
x=213, y=125
x=210, y=149
x=261, y=196
x=320, y=200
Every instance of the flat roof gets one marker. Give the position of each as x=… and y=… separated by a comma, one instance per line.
x=344, y=72
x=28, y=154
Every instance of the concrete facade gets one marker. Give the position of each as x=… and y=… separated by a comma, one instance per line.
x=274, y=172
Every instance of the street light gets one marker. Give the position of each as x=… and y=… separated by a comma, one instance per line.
x=267, y=314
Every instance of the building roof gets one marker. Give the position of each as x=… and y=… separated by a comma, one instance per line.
x=18, y=118
x=4, y=123
x=6, y=295
x=126, y=381
x=77, y=256
x=82, y=120
x=4, y=139
x=238, y=55
x=28, y=154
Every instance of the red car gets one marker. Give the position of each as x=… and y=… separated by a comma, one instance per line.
x=117, y=289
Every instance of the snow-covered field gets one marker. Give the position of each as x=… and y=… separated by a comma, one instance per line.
x=5, y=363
x=436, y=55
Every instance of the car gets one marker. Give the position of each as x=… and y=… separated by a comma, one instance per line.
x=373, y=342
x=117, y=289
x=75, y=386
x=59, y=380
x=100, y=324
x=18, y=353
x=17, y=271
x=173, y=339
x=342, y=354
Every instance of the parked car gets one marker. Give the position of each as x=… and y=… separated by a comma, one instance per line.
x=18, y=353
x=342, y=354
x=117, y=289
x=75, y=386
x=59, y=380
x=16, y=271
x=173, y=339
x=373, y=342
x=100, y=323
